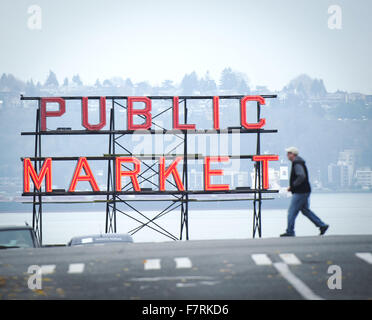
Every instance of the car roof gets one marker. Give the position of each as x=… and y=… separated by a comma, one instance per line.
x=102, y=237
x=3, y=228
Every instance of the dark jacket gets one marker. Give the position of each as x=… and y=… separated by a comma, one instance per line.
x=299, y=179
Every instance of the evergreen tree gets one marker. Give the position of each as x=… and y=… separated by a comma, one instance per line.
x=128, y=87
x=76, y=80
x=128, y=83
x=107, y=83
x=3, y=81
x=51, y=81
x=207, y=85
x=189, y=83
x=229, y=79
x=243, y=87
x=317, y=88
x=11, y=83
x=30, y=88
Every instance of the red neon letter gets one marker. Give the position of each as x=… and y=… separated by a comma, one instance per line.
x=45, y=113
x=208, y=173
x=216, y=112
x=176, y=116
x=83, y=164
x=102, y=114
x=132, y=174
x=172, y=169
x=29, y=170
x=265, y=167
x=146, y=112
x=243, y=112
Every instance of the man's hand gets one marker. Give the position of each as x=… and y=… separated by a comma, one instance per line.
x=289, y=189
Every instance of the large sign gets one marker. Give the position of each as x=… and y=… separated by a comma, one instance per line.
x=140, y=107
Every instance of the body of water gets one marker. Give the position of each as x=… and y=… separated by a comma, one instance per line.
x=347, y=213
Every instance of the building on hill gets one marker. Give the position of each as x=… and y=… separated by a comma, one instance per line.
x=363, y=177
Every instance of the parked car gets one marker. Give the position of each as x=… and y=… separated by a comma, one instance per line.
x=18, y=237
x=100, y=239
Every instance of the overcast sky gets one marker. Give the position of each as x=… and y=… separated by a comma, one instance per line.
x=271, y=41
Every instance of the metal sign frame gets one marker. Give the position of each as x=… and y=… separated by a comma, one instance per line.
x=174, y=199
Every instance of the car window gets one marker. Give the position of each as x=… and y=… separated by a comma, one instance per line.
x=16, y=238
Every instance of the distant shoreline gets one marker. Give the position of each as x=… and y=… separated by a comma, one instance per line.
x=9, y=207
x=277, y=203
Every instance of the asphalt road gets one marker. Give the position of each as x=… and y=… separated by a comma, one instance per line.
x=276, y=268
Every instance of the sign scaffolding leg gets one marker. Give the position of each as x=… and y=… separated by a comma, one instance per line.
x=37, y=205
x=257, y=201
x=185, y=197
x=111, y=170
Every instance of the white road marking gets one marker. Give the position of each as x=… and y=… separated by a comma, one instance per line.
x=261, y=259
x=154, y=279
x=301, y=287
x=48, y=268
x=183, y=263
x=185, y=285
x=289, y=258
x=76, y=268
x=152, y=264
x=366, y=256
x=194, y=284
x=209, y=283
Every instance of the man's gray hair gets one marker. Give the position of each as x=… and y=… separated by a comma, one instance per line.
x=293, y=150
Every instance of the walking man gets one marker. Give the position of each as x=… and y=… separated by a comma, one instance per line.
x=300, y=187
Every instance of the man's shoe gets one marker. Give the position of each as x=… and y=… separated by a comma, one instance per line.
x=287, y=235
x=323, y=229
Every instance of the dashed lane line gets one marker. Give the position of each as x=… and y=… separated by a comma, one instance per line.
x=76, y=268
x=185, y=285
x=48, y=268
x=152, y=264
x=290, y=258
x=183, y=263
x=261, y=259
